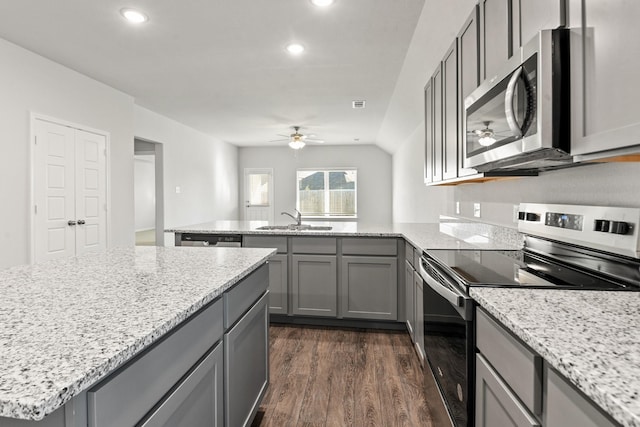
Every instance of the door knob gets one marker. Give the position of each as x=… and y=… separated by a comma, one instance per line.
x=71, y=223
x=81, y=222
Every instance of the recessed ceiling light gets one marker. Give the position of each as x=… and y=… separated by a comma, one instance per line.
x=322, y=3
x=295, y=48
x=134, y=16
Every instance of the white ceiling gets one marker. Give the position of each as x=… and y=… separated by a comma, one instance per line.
x=220, y=66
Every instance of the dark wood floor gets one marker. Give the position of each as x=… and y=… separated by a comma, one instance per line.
x=346, y=377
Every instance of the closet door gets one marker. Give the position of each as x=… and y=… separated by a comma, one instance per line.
x=90, y=192
x=54, y=191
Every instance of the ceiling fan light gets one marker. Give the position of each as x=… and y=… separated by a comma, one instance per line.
x=296, y=144
x=295, y=48
x=133, y=16
x=322, y=3
x=486, y=141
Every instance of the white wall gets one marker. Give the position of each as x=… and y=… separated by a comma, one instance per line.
x=144, y=191
x=205, y=169
x=607, y=184
x=31, y=83
x=374, y=174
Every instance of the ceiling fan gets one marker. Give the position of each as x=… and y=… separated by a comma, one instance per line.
x=298, y=140
x=486, y=136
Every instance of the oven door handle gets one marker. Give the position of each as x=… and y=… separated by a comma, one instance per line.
x=453, y=298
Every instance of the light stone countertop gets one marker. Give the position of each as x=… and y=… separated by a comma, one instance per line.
x=449, y=233
x=590, y=337
x=65, y=324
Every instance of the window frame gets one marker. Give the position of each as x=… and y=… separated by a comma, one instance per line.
x=326, y=171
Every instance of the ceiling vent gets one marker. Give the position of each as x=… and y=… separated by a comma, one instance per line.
x=358, y=104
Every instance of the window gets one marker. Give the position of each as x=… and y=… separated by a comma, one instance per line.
x=327, y=193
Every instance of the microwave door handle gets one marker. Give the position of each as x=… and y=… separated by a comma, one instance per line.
x=453, y=298
x=508, y=103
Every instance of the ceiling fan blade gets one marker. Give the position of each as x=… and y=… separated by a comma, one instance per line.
x=286, y=136
x=278, y=140
x=316, y=141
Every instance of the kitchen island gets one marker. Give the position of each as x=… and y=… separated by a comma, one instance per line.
x=69, y=327
x=591, y=338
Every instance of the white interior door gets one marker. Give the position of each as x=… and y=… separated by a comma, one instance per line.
x=90, y=192
x=54, y=191
x=258, y=195
x=70, y=191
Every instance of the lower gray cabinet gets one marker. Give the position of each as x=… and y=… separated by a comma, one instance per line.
x=246, y=375
x=197, y=400
x=496, y=405
x=418, y=305
x=314, y=285
x=369, y=287
x=278, y=284
x=564, y=406
x=409, y=295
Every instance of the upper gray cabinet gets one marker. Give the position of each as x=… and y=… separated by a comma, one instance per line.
x=605, y=112
x=536, y=15
x=429, y=133
x=436, y=81
x=450, y=112
x=499, y=33
x=468, y=76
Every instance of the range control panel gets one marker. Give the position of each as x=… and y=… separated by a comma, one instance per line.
x=612, y=229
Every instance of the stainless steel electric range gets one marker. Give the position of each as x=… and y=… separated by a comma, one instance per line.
x=566, y=247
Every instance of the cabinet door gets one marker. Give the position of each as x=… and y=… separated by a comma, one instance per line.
x=468, y=77
x=314, y=285
x=278, y=284
x=496, y=35
x=428, y=133
x=605, y=112
x=419, y=315
x=246, y=362
x=450, y=112
x=564, y=406
x=197, y=401
x=536, y=15
x=496, y=405
x=409, y=293
x=369, y=287
x=437, y=124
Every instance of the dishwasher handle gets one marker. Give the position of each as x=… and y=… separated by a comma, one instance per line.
x=454, y=298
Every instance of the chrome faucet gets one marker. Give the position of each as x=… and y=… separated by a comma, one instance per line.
x=297, y=217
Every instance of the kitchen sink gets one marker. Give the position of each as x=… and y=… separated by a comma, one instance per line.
x=295, y=227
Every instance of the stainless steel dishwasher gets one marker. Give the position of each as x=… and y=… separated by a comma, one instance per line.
x=206, y=239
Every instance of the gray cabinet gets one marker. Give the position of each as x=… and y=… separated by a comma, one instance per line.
x=197, y=400
x=565, y=406
x=536, y=15
x=450, y=112
x=409, y=293
x=498, y=35
x=246, y=361
x=419, y=315
x=496, y=404
x=369, y=287
x=314, y=285
x=468, y=77
x=605, y=113
x=278, y=269
x=429, y=154
x=436, y=82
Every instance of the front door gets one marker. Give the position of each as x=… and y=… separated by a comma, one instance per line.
x=258, y=195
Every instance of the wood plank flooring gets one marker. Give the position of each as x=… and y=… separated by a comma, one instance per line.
x=346, y=377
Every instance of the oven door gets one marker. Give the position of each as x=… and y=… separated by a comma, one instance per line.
x=449, y=342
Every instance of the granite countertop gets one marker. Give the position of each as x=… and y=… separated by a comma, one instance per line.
x=447, y=234
x=590, y=337
x=65, y=324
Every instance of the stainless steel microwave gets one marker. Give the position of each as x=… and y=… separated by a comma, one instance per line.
x=520, y=118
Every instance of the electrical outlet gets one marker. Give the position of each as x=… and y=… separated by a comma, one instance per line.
x=457, y=208
x=178, y=190
x=476, y=210
x=516, y=210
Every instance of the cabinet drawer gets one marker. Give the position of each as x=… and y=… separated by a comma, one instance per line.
x=197, y=400
x=278, y=242
x=126, y=396
x=408, y=253
x=369, y=246
x=239, y=298
x=517, y=365
x=313, y=245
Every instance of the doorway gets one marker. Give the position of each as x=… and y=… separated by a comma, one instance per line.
x=258, y=195
x=148, y=193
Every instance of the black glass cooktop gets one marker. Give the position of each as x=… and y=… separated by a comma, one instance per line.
x=562, y=269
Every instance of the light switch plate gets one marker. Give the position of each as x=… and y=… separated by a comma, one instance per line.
x=178, y=190
x=476, y=210
x=457, y=208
